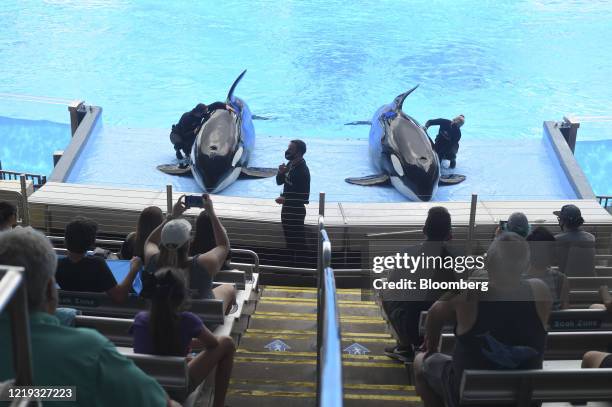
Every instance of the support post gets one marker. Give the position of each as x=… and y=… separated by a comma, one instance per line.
x=169, y=200
x=472, y=225
x=76, y=114
x=25, y=211
x=56, y=156
x=569, y=129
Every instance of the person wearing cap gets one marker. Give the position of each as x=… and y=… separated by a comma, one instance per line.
x=447, y=140
x=183, y=133
x=517, y=223
x=168, y=246
x=575, y=252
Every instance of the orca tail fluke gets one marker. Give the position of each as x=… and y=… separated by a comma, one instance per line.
x=368, y=180
x=359, y=123
x=399, y=99
x=256, y=117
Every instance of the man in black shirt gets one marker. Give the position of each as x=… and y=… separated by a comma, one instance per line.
x=185, y=131
x=295, y=178
x=447, y=140
x=80, y=272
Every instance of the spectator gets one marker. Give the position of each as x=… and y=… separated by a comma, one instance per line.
x=595, y=359
x=150, y=218
x=502, y=328
x=166, y=330
x=8, y=216
x=67, y=356
x=80, y=272
x=575, y=247
x=168, y=246
x=542, y=249
x=517, y=223
x=204, y=239
x=404, y=313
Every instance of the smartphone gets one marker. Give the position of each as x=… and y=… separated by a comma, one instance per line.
x=502, y=224
x=194, y=201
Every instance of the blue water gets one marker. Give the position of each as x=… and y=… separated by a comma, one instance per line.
x=314, y=65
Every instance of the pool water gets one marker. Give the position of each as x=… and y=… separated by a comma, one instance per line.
x=313, y=66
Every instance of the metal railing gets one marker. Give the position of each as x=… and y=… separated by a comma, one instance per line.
x=13, y=297
x=604, y=200
x=37, y=179
x=329, y=350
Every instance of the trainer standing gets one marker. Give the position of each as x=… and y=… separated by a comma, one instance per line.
x=295, y=178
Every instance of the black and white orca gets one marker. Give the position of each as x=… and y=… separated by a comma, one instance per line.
x=223, y=146
x=402, y=153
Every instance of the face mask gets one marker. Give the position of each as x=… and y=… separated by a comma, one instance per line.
x=288, y=155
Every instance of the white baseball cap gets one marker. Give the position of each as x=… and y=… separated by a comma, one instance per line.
x=176, y=233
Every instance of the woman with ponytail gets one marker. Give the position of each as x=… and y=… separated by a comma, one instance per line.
x=168, y=330
x=168, y=246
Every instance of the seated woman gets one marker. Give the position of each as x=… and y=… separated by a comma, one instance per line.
x=168, y=246
x=80, y=272
x=168, y=330
x=595, y=359
x=204, y=239
x=499, y=329
x=150, y=218
x=542, y=255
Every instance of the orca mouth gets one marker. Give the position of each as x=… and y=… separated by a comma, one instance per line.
x=212, y=170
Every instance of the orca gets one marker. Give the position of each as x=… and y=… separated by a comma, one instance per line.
x=223, y=146
x=402, y=153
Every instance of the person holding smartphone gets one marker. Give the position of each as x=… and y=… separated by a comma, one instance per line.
x=295, y=179
x=168, y=246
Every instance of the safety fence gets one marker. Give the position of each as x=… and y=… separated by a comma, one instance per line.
x=37, y=179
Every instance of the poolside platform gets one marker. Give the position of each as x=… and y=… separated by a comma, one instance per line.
x=255, y=222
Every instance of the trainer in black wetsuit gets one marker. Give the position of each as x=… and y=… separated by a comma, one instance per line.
x=447, y=140
x=185, y=131
x=295, y=178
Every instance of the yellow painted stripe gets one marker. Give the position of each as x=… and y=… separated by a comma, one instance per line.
x=314, y=300
x=307, y=354
x=311, y=289
x=314, y=316
x=355, y=304
x=296, y=318
x=311, y=332
x=310, y=337
x=273, y=361
x=291, y=394
x=349, y=396
x=387, y=387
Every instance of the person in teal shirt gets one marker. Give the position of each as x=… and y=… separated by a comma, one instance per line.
x=62, y=355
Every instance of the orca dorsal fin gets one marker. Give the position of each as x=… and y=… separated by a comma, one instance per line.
x=399, y=99
x=230, y=94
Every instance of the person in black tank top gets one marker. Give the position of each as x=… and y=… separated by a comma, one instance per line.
x=502, y=328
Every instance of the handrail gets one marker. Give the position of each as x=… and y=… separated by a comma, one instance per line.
x=254, y=256
x=13, y=296
x=604, y=200
x=38, y=180
x=329, y=351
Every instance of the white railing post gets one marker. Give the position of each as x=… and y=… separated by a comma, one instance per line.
x=25, y=211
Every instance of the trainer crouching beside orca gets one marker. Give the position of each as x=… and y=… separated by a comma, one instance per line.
x=403, y=154
x=222, y=147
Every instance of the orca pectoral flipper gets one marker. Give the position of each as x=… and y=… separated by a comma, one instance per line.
x=259, y=172
x=451, y=179
x=174, y=169
x=375, y=179
x=359, y=123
